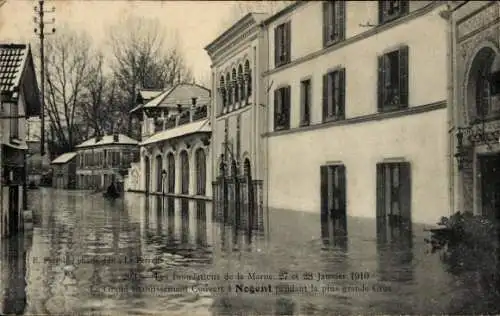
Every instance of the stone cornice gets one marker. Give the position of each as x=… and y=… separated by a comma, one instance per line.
x=222, y=41
x=233, y=44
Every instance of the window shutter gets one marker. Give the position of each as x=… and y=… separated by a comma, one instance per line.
x=342, y=19
x=287, y=106
x=277, y=44
x=381, y=12
x=403, y=76
x=341, y=108
x=288, y=43
x=276, y=107
x=380, y=211
x=324, y=201
x=405, y=190
x=326, y=22
x=303, y=91
x=381, y=83
x=341, y=190
x=325, y=96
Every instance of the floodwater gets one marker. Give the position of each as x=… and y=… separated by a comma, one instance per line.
x=160, y=256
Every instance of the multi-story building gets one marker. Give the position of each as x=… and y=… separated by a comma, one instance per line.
x=476, y=107
x=19, y=99
x=103, y=159
x=358, y=121
x=238, y=114
x=174, y=158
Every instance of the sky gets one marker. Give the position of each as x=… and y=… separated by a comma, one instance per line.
x=197, y=22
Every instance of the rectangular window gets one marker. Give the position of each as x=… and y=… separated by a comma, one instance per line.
x=393, y=80
x=333, y=198
x=394, y=193
x=282, y=108
x=282, y=44
x=391, y=10
x=333, y=22
x=305, y=103
x=334, y=95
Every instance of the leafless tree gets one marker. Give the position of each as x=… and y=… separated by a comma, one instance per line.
x=67, y=62
x=142, y=58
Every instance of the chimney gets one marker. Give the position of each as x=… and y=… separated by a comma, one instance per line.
x=115, y=137
x=191, y=111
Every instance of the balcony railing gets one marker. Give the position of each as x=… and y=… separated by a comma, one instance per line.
x=184, y=118
x=200, y=113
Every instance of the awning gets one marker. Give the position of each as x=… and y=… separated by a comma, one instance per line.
x=202, y=126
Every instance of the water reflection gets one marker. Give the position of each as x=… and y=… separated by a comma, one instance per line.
x=146, y=239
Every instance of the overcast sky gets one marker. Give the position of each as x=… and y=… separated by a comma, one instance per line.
x=197, y=22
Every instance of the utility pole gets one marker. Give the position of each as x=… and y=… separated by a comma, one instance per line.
x=39, y=19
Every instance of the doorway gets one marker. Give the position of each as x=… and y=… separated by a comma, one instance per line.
x=333, y=204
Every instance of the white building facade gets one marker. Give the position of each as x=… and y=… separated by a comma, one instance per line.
x=174, y=159
x=238, y=117
x=357, y=115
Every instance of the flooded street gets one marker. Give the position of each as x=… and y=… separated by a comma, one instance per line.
x=143, y=256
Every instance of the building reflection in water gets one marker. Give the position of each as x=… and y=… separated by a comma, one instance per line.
x=13, y=267
x=395, y=249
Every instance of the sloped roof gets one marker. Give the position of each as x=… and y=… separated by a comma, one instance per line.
x=17, y=74
x=12, y=62
x=108, y=140
x=64, y=158
x=202, y=126
x=181, y=93
x=147, y=94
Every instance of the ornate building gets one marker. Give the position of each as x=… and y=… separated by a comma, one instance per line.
x=476, y=106
x=239, y=56
x=174, y=157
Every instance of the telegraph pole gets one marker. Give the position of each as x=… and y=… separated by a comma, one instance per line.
x=39, y=19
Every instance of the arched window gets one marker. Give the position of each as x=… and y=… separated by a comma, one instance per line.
x=248, y=74
x=235, y=85
x=229, y=89
x=171, y=173
x=222, y=167
x=159, y=175
x=147, y=177
x=184, y=172
x=222, y=89
x=484, y=83
x=200, y=171
x=241, y=83
x=247, y=169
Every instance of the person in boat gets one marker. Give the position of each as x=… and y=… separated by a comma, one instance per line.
x=112, y=191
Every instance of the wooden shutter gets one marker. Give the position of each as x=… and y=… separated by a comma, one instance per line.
x=381, y=82
x=381, y=12
x=380, y=180
x=303, y=91
x=324, y=200
x=341, y=19
x=403, y=76
x=287, y=105
x=277, y=45
x=405, y=190
x=288, y=41
x=276, y=107
x=326, y=22
x=342, y=189
x=325, y=97
x=342, y=83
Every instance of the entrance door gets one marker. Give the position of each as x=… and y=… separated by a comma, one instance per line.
x=490, y=185
x=13, y=209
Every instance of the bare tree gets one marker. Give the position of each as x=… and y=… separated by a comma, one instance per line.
x=143, y=59
x=68, y=56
